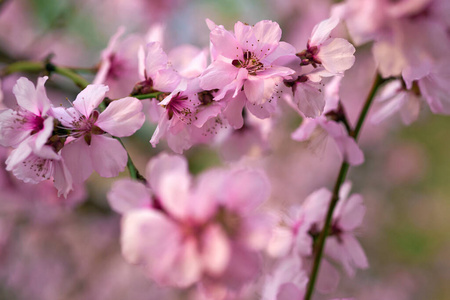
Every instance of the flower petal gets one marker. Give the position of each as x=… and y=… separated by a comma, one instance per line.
x=90, y=98
x=109, y=158
x=127, y=195
x=122, y=117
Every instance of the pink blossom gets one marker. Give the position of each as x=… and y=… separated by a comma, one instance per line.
x=154, y=71
x=307, y=96
x=91, y=150
x=247, y=60
x=342, y=246
x=287, y=282
x=396, y=99
x=435, y=88
x=334, y=54
x=198, y=232
x=33, y=165
x=348, y=148
x=119, y=64
x=31, y=121
x=190, y=116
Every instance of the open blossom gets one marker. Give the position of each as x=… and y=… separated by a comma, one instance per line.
x=323, y=57
x=90, y=149
x=334, y=54
x=187, y=115
x=31, y=120
x=251, y=59
x=28, y=129
x=347, y=146
x=206, y=231
x=395, y=98
x=119, y=64
x=342, y=246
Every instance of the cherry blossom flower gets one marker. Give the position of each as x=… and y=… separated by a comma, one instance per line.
x=348, y=148
x=119, y=64
x=189, y=115
x=334, y=54
x=28, y=129
x=90, y=149
x=342, y=246
x=250, y=59
x=397, y=99
x=31, y=121
x=197, y=233
x=287, y=282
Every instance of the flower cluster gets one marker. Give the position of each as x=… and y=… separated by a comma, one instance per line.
x=212, y=233
x=182, y=232
x=66, y=144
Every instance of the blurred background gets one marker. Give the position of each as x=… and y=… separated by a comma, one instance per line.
x=52, y=248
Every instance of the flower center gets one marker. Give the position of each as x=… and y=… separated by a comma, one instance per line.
x=250, y=62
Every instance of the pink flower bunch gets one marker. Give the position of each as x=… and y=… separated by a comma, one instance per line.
x=250, y=70
x=292, y=241
x=66, y=143
x=208, y=232
x=404, y=48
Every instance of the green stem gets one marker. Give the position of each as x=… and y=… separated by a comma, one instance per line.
x=318, y=251
x=147, y=96
x=77, y=79
x=23, y=66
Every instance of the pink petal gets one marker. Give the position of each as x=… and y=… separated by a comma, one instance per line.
x=12, y=132
x=435, y=88
x=353, y=213
x=254, y=89
x=305, y=131
x=280, y=242
x=62, y=178
x=18, y=155
x=166, y=80
x=109, y=158
x=348, y=148
x=233, y=111
x=309, y=99
x=147, y=235
x=206, y=113
x=122, y=117
x=161, y=129
x=225, y=43
x=100, y=77
x=411, y=109
x=170, y=180
x=155, y=59
x=77, y=159
x=356, y=251
x=263, y=111
x=218, y=75
x=328, y=278
x=290, y=291
x=30, y=98
x=89, y=98
x=336, y=55
x=187, y=267
x=268, y=35
x=245, y=37
x=126, y=195
x=322, y=31
x=246, y=190
x=67, y=116
x=215, y=250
